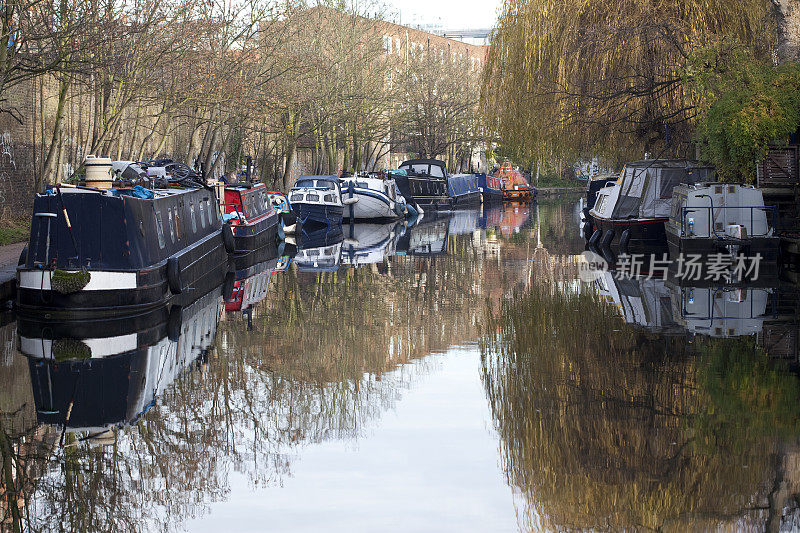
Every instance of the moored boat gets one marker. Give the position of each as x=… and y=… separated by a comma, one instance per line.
x=593, y=186
x=116, y=250
x=463, y=190
x=372, y=198
x=424, y=182
x=250, y=215
x=632, y=211
x=316, y=200
x=490, y=187
x=515, y=187
x=712, y=218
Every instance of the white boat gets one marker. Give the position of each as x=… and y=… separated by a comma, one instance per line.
x=717, y=217
x=368, y=198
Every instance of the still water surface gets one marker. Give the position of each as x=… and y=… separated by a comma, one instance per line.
x=456, y=376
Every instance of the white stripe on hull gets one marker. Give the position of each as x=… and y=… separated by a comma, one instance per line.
x=102, y=347
x=99, y=281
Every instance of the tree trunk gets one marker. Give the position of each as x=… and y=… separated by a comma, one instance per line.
x=53, y=151
x=787, y=15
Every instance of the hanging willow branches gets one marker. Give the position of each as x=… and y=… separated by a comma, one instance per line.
x=569, y=77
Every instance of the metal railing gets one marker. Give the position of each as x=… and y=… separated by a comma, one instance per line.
x=771, y=221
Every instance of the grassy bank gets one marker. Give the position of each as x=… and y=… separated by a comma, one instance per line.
x=14, y=230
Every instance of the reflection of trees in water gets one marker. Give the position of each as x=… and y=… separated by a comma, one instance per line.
x=325, y=358
x=606, y=426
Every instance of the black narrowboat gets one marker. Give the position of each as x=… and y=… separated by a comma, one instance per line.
x=118, y=251
x=251, y=217
x=424, y=182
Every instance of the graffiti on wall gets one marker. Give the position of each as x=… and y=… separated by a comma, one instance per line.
x=8, y=166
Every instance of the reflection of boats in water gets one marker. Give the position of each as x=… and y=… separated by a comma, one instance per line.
x=320, y=251
x=369, y=243
x=92, y=383
x=508, y=218
x=428, y=237
x=250, y=284
x=721, y=311
x=464, y=221
x=642, y=302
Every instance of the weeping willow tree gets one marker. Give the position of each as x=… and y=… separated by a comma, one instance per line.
x=616, y=428
x=564, y=78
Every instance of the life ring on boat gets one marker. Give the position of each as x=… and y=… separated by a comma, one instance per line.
x=227, y=239
x=174, y=275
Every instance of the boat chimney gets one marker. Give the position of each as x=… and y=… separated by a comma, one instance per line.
x=98, y=172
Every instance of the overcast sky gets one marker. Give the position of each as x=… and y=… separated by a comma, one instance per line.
x=451, y=14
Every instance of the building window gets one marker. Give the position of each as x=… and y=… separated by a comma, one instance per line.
x=388, y=40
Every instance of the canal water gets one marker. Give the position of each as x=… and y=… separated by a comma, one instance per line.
x=460, y=375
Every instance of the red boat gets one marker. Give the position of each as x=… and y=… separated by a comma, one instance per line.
x=252, y=220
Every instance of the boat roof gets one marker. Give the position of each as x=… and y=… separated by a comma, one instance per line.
x=667, y=163
x=334, y=179
x=437, y=162
x=243, y=187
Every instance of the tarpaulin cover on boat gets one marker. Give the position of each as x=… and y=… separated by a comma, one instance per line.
x=647, y=186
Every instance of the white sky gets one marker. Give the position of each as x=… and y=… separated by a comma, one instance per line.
x=451, y=14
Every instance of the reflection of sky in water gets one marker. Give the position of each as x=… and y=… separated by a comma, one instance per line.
x=430, y=463
x=353, y=400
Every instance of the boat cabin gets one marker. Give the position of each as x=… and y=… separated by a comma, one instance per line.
x=644, y=189
x=316, y=190
x=433, y=168
x=247, y=203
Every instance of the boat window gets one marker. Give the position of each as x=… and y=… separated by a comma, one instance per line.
x=312, y=197
x=171, y=227
x=599, y=205
x=419, y=169
x=304, y=183
x=436, y=171
x=178, y=229
x=210, y=213
x=363, y=184
x=296, y=198
x=327, y=185
x=159, y=229
x=194, y=220
x=201, y=206
x=329, y=198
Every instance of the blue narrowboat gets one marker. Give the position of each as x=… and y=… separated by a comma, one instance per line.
x=463, y=189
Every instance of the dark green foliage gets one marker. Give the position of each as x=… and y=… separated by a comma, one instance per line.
x=744, y=105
